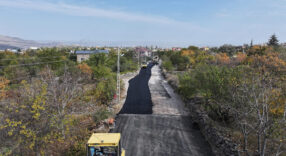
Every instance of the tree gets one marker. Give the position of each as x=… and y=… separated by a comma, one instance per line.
x=85, y=69
x=98, y=59
x=251, y=100
x=3, y=85
x=259, y=50
x=229, y=49
x=39, y=114
x=168, y=65
x=222, y=58
x=273, y=41
x=181, y=62
x=26, y=128
x=240, y=57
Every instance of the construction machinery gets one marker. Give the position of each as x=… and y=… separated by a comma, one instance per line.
x=155, y=60
x=144, y=65
x=105, y=144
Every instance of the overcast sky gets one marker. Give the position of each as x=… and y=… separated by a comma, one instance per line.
x=171, y=22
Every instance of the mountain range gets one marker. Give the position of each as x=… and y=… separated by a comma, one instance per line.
x=7, y=42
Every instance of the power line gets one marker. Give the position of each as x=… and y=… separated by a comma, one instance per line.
x=29, y=58
x=34, y=76
x=32, y=64
x=19, y=78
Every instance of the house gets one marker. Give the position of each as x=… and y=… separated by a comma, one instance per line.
x=205, y=48
x=176, y=49
x=83, y=55
x=143, y=51
x=33, y=48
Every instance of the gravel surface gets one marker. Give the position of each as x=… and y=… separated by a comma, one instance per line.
x=164, y=99
x=164, y=129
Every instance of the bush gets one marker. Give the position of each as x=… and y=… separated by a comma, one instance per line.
x=181, y=62
x=168, y=65
x=100, y=115
x=214, y=83
x=100, y=72
x=206, y=80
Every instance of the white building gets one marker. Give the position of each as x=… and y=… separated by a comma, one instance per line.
x=33, y=48
x=84, y=55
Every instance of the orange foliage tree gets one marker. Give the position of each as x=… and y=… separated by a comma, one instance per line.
x=3, y=86
x=269, y=63
x=240, y=57
x=259, y=50
x=85, y=69
x=222, y=58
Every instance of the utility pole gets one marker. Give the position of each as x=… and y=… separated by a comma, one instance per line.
x=138, y=60
x=118, y=75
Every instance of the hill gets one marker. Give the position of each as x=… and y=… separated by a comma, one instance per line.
x=14, y=42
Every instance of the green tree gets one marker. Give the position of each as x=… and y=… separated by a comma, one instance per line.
x=273, y=41
x=100, y=72
x=179, y=61
x=168, y=65
x=98, y=59
x=227, y=48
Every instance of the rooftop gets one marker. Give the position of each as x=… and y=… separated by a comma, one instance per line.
x=104, y=138
x=91, y=51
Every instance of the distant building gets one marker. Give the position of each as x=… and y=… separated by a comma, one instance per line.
x=33, y=48
x=176, y=49
x=14, y=50
x=205, y=48
x=83, y=55
x=143, y=51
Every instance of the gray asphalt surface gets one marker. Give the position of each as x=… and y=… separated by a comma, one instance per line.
x=147, y=134
x=138, y=100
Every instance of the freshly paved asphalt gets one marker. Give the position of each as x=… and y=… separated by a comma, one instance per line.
x=147, y=134
x=138, y=100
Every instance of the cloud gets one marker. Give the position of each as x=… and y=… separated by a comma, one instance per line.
x=85, y=11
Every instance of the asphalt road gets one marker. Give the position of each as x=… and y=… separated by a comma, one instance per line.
x=138, y=100
x=148, y=133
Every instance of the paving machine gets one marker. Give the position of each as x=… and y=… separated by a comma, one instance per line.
x=144, y=65
x=105, y=144
x=155, y=60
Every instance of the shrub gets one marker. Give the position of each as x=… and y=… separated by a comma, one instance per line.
x=168, y=65
x=206, y=80
x=100, y=115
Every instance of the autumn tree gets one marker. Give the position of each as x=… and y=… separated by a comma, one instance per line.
x=85, y=69
x=259, y=50
x=39, y=114
x=3, y=86
x=240, y=57
x=222, y=58
x=26, y=127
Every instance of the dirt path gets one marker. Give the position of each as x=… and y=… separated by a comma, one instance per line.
x=165, y=100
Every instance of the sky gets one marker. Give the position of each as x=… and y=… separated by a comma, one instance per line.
x=142, y=22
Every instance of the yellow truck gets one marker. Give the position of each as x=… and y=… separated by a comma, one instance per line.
x=105, y=144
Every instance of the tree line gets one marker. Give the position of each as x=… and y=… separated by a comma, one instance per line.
x=49, y=103
x=244, y=92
